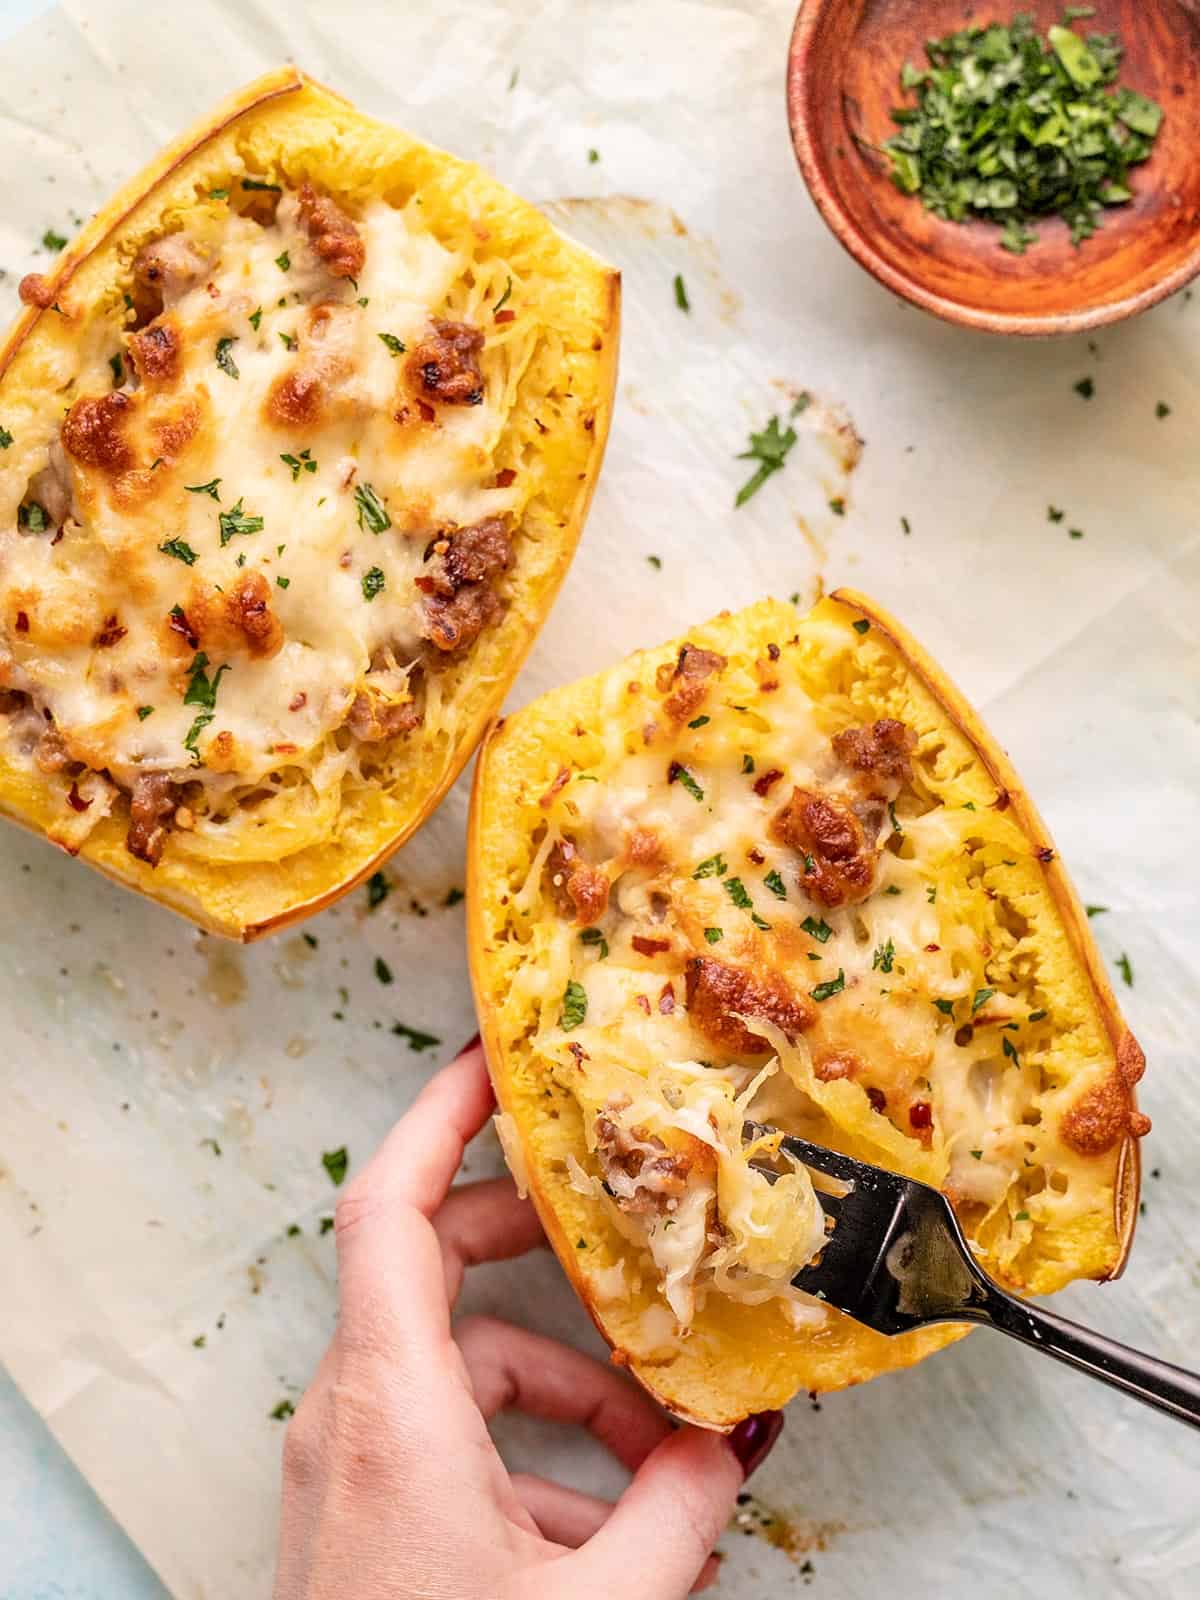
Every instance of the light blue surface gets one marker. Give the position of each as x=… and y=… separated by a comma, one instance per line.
x=57, y=1542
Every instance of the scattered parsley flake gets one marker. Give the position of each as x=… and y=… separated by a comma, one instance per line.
x=681, y=296
x=655, y=562
x=699, y=722
x=678, y=773
x=298, y=464
x=896, y=828
x=371, y=511
x=144, y=712
x=738, y=893
x=982, y=996
x=225, y=356
x=504, y=298
x=373, y=583
x=893, y=888
x=236, y=521
x=283, y=262
x=776, y=885
x=817, y=928
x=826, y=991
x=861, y=626
x=285, y=1408
x=6, y=438
x=382, y=971
x=1075, y=533
x=747, y=764
x=54, y=242
x=258, y=183
x=593, y=157
x=117, y=365
x=203, y=718
x=770, y=449
x=574, y=1006
x=453, y=897
x=210, y=488
x=1085, y=388
x=1125, y=967
x=884, y=957
x=218, y=194
x=397, y=347
x=255, y=318
x=180, y=549
x=946, y=1007
x=978, y=1154
x=1162, y=409
x=1010, y=1050
x=326, y=1226
x=378, y=889
x=288, y=340
x=714, y=935
x=310, y=940
x=714, y=867
x=905, y=525
x=201, y=691
x=1095, y=911
x=417, y=1040
x=32, y=517
x=1054, y=513
x=593, y=936
x=838, y=505
x=1036, y=1016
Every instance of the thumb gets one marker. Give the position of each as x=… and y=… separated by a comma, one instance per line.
x=669, y=1518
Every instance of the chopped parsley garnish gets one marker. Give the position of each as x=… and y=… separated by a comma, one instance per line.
x=655, y=562
x=54, y=242
x=180, y=549
x=681, y=297
x=1036, y=1016
x=283, y=583
x=336, y=1164
x=978, y=1154
x=117, y=366
x=678, y=773
x=982, y=996
x=301, y=463
x=504, y=298
x=364, y=300
x=371, y=512
x=203, y=718
x=1125, y=968
x=1021, y=1216
x=893, y=888
x=738, y=893
x=714, y=935
x=826, y=991
x=218, y=194
x=396, y=346
x=747, y=764
x=255, y=318
x=6, y=438
x=225, y=356
x=838, y=505
x=574, y=1006
x=1085, y=388
x=382, y=971
x=1162, y=409
x=453, y=897
x=770, y=449
x=144, y=712
x=283, y=262
x=1095, y=911
x=946, y=1007
x=593, y=157
x=236, y=521
x=594, y=936
x=378, y=889
x=257, y=183
x=201, y=690
x=327, y=1225
x=776, y=885
x=417, y=1040
x=896, y=828
x=884, y=957
x=861, y=626
x=209, y=488
x=288, y=340
x=285, y=1408
x=373, y=582
x=1010, y=1050
x=714, y=867
x=1013, y=126
x=1054, y=513
x=32, y=517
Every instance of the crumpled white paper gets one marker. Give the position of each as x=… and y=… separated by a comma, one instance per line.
x=166, y=1099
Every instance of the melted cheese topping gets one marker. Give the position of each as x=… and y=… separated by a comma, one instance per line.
x=331, y=520
x=924, y=1041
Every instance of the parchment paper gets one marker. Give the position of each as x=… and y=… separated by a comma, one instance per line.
x=165, y=1100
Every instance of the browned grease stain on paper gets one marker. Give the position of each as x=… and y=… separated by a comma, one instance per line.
x=795, y=1537
x=224, y=980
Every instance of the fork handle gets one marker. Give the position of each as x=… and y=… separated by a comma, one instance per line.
x=1156, y=1383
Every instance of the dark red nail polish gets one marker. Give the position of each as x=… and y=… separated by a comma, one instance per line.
x=470, y=1044
x=752, y=1440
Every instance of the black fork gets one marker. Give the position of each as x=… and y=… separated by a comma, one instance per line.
x=896, y=1259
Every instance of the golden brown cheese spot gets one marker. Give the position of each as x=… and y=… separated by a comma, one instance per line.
x=335, y=239
x=642, y=848
x=157, y=351
x=248, y=612
x=295, y=400
x=445, y=367
x=94, y=432
x=716, y=990
x=882, y=749
x=837, y=863
x=686, y=683
x=1103, y=1116
x=579, y=890
x=830, y=1065
x=50, y=753
x=152, y=804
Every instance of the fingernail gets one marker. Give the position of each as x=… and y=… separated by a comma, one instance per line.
x=752, y=1440
x=470, y=1044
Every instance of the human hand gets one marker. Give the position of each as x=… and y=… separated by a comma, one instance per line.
x=392, y=1486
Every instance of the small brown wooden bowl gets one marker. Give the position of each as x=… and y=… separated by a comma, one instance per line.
x=843, y=81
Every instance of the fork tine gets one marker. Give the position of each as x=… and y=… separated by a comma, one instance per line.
x=829, y=1162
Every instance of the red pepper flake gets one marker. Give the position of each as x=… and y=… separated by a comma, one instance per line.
x=933, y=948
x=763, y=785
x=579, y=1053
x=504, y=477
x=561, y=778
x=920, y=1114
x=755, y=854
x=506, y=316
x=22, y=622
x=649, y=947
x=75, y=800
x=666, y=1000
x=299, y=702
x=773, y=651
x=877, y=1098
x=111, y=633
x=281, y=749
x=177, y=621
x=1000, y=803
x=641, y=1000
x=1045, y=853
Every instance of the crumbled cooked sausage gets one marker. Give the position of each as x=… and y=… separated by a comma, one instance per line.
x=579, y=889
x=92, y=431
x=645, y=1176
x=445, y=367
x=248, y=609
x=452, y=623
x=152, y=804
x=156, y=351
x=373, y=716
x=36, y=290
x=717, y=989
x=837, y=862
x=468, y=555
x=169, y=265
x=687, y=680
x=51, y=754
x=882, y=748
x=334, y=237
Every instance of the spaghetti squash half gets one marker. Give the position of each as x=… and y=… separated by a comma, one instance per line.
x=777, y=870
x=296, y=441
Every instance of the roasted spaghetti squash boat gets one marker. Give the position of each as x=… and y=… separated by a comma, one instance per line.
x=777, y=870
x=296, y=441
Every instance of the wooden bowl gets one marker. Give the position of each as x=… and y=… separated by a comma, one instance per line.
x=843, y=81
